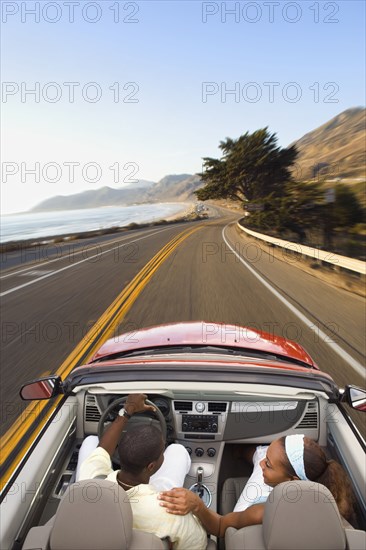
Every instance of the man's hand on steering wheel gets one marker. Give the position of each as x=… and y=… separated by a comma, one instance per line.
x=135, y=403
x=132, y=404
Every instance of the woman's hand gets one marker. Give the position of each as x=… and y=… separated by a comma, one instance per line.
x=180, y=501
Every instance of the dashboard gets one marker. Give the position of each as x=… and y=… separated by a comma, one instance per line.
x=212, y=420
x=208, y=423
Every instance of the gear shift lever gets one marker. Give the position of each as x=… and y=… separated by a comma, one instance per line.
x=199, y=481
x=200, y=489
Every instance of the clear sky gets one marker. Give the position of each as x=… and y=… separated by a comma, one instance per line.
x=107, y=92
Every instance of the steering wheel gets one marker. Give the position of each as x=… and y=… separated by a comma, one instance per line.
x=122, y=400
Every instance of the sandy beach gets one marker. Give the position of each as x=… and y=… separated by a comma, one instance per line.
x=188, y=213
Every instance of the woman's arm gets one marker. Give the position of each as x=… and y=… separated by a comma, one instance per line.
x=251, y=516
x=182, y=501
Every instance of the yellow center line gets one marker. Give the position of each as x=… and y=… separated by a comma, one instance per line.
x=133, y=288
x=21, y=425
x=97, y=335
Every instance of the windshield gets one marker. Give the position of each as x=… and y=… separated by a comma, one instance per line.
x=203, y=350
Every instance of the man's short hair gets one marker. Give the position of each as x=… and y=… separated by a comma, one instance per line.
x=139, y=446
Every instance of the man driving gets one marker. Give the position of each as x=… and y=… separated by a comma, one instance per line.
x=145, y=470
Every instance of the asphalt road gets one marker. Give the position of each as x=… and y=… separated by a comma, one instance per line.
x=49, y=302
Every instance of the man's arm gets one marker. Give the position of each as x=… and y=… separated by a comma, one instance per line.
x=135, y=403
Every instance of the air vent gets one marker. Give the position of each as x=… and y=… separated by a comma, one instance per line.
x=217, y=407
x=92, y=412
x=310, y=418
x=183, y=405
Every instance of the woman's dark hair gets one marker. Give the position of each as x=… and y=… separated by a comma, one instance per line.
x=327, y=472
x=138, y=447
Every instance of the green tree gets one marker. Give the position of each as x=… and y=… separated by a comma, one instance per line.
x=252, y=167
x=347, y=210
x=299, y=209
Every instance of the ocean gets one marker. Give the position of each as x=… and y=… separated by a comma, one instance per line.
x=21, y=226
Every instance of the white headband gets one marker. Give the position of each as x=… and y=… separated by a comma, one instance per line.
x=294, y=445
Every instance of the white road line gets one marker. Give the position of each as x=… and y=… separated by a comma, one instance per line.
x=76, y=252
x=36, y=272
x=14, y=289
x=358, y=367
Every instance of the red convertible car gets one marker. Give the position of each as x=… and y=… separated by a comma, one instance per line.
x=217, y=389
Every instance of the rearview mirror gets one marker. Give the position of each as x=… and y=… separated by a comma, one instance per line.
x=356, y=397
x=43, y=388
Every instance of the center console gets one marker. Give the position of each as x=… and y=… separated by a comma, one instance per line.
x=195, y=423
x=200, y=427
x=200, y=419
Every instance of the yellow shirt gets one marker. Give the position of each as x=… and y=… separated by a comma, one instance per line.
x=185, y=532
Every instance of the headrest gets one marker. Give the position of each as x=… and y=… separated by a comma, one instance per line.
x=302, y=515
x=92, y=514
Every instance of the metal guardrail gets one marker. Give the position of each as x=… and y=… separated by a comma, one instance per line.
x=340, y=262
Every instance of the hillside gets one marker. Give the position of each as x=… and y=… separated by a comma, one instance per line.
x=106, y=196
x=175, y=187
x=170, y=188
x=334, y=150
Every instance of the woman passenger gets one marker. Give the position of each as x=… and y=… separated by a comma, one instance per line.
x=294, y=457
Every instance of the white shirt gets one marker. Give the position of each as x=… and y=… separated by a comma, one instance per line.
x=255, y=490
x=185, y=532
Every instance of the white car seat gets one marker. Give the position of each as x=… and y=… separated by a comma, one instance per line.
x=94, y=514
x=301, y=515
